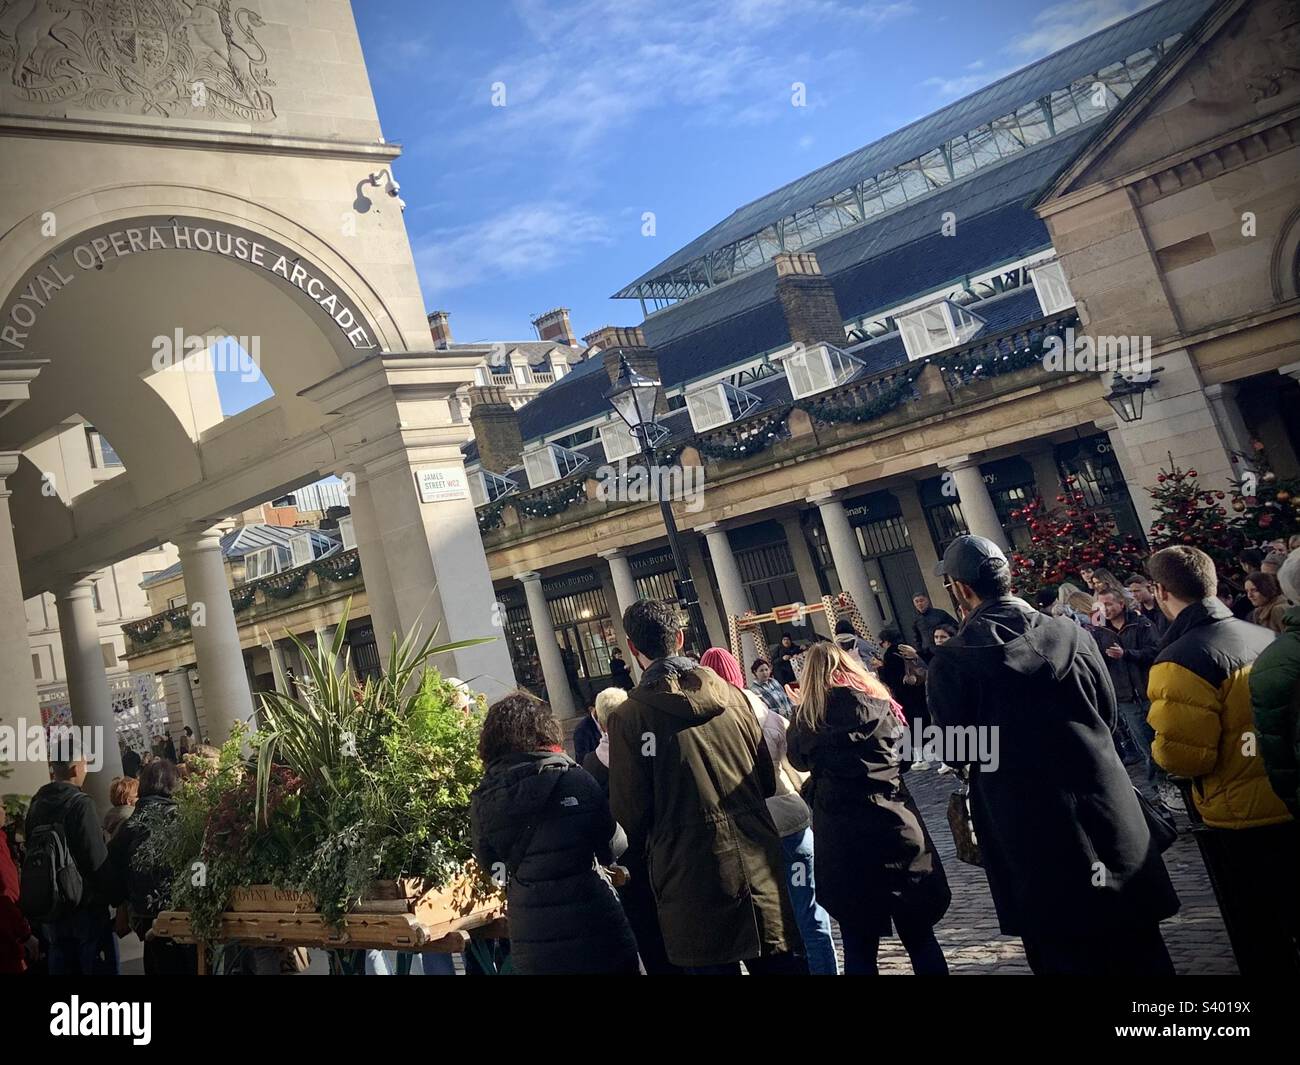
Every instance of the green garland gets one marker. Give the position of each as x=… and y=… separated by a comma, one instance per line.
x=490, y=516
x=338, y=568
x=550, y=501
x=850, y=407
x=284, y=586
x=241, y=598
x=146, y=631
x=179, y=618
x=748, y=438
x=991, y=361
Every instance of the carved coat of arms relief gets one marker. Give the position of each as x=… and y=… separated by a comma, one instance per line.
x=172, y=58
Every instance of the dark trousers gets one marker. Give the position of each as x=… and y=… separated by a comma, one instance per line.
x=862, y=948
x=162, y=957
x=1256, y=878
x=643, y=915
x=1131, y=951
x=83, y=944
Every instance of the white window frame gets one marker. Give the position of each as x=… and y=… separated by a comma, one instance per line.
x=718, y=404
x=252, y=561
x=834, y=367
x=300, y=545
x=617, y=440
x=559, y=463
x=1052, y=288
x=347, y=535
x=959, y=324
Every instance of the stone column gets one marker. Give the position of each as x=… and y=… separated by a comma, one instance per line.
x=226, y=695
x=805, y=569
x=735, y=600
x=718, y=634
x=623, y=585
x=548, y=649
x=976, y=504
x=847, y=555
x=180, y=702
x=1142, y=502
x=374, y=567
x=918, y=532
x=19, y=708
x=88, y=694
x=1227, y=418
x=1047, y=475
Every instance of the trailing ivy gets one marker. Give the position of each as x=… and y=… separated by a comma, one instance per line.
x=285, y=586
x=146, y=631
x=551, y=500
x=241, y=598
x=338, y=568
x=490, y=516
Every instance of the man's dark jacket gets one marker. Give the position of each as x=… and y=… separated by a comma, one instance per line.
x=1064, y=842
x=62, y=803
x=925, y=625
x=689, y=776
x=1141, y=643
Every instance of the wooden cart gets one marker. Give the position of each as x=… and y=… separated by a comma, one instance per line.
x=404, y=915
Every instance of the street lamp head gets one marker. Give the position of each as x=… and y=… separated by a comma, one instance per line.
x=1126, y=397
x=633, y=396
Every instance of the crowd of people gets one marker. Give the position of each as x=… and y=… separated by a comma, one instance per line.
x=709, y=821
x=717, y=824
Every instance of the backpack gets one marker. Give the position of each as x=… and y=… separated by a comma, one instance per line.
x=51, y=886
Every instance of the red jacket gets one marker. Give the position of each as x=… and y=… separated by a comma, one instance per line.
x=14, y=930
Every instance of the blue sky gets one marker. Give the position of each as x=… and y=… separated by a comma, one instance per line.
x=618, y=107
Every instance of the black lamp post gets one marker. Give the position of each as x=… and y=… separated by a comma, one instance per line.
x=633, y=397
x=1126, y=397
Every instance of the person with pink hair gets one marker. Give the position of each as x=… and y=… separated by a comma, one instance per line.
x=792, y=818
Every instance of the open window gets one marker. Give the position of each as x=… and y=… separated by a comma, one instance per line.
x=936, y=328
x=1053, y=291
x=718, y=404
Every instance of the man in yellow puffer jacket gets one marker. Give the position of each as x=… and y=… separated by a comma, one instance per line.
x=1199, y=691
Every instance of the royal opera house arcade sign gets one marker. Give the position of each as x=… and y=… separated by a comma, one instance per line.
x=38, y=292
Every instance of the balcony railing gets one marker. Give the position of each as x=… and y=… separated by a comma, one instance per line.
x=324, y=578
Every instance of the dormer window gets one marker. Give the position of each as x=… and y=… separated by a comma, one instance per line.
x=936, y=328
x=545, y=463
x=816, y=369
x=347, y=534
x=487, y=487
x=618, y=441
x=1053, y=292
x=718, y=404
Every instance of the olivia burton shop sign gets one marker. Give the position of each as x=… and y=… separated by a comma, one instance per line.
x=63, y=269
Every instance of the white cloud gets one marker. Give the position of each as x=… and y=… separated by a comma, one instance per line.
x=525, y=239
x=593, y=66
x=1064, y=23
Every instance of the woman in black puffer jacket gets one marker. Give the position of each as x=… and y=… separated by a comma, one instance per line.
x=541, y=822
x=876, y=864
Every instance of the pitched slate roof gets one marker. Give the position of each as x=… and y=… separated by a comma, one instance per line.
x=246, y=539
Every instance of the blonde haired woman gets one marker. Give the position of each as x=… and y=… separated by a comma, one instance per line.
x=597, y=762
x=876, y=864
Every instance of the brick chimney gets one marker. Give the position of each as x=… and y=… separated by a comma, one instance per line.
x=440, y=327
x=554, y=325
x=808, y=300
x=496, y=428
x=615, y=341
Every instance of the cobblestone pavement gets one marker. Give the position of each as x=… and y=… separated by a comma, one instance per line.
x=1197, y=940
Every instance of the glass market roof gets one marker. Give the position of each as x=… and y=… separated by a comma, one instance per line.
x=1039, y=103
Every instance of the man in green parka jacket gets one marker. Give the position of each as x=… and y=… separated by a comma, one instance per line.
x=1275, y=695
x=689, y=775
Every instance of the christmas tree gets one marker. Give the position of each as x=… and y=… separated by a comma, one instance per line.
x=1068, y=538
x=1188, y=514
x=1266, y=506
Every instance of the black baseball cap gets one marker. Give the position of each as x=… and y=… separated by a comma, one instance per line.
x=970, y=557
